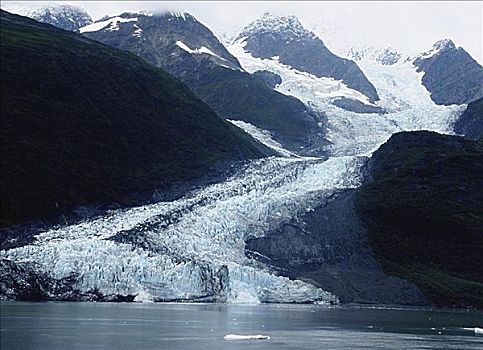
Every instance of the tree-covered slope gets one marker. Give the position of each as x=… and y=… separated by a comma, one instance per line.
x=424, y=212
x=85, y=124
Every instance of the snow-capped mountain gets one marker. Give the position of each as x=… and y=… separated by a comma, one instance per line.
x=284, y=38
x=178, y=34
x=405, y=103
x=190, y=248
x=67, y=17
x=184, y=47
x=450, y=73
x=438, y=47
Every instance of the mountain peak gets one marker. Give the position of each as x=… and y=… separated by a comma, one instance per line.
x=438, y=47
x=269, y=23
x=451, y=75
x=444, y=44
x=67, y=17
x=181, y=15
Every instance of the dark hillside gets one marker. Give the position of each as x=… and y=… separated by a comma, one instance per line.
x=86, y=124
x=424, y=212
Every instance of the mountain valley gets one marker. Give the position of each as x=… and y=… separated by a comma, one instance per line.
x=264, y=170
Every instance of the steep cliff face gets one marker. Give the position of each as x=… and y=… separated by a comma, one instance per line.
x=470, y=124
x=451, y=75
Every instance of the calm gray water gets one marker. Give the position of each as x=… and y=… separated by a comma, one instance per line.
x=203, y=326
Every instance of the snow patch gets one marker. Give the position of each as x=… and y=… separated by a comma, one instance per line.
x=182, y=15
x=137, y=32
x=205, y=50
x=201, y=50
x=110, y=24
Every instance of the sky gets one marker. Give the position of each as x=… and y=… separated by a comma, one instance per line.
x=410, y=27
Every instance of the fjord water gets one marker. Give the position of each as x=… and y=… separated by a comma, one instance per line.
x=27, y=325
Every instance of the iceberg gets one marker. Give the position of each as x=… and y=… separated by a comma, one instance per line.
x=246, y=337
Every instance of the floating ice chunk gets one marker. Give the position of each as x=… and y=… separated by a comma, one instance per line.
x=246, y=337
x=476, y=330
x=143, y=297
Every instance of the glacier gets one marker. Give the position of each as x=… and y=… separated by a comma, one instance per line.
x=406, y=102
x=193, y=248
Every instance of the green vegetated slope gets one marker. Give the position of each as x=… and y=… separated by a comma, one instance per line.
x=86, y=124
x=424, y=212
